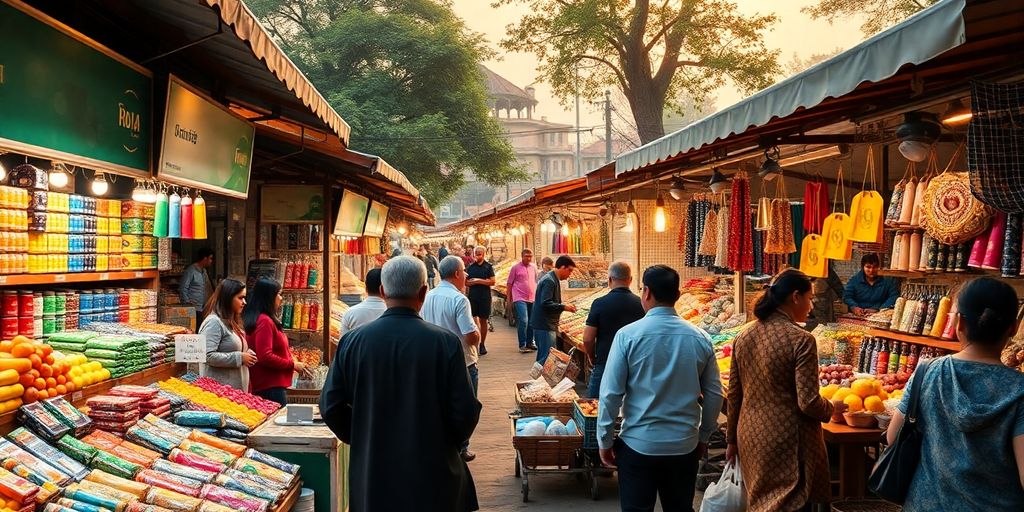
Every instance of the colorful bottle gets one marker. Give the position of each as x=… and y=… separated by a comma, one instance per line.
x=864, y=347
x=304, y=321
x=941, y=315
x=875, y=351
x=882, y=364
x=904, y=358
x=302, y=278
x=313, y=276
x=314, y=312
x=894, y=358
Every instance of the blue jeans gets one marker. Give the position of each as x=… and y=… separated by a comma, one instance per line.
x=545, y=340
x=523, y=322
x=474, y=379
x=594, y=388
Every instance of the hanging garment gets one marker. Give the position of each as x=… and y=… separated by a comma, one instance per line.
x=722, y=252
x=922, y=186
x=741, y=242
x=816, y=204
x=709, y=239
x=690, y=252
x=892, y=216
x=780, y=236
x=994, y=249
x=797, y=212
x=763, y=219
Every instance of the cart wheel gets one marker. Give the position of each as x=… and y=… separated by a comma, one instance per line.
x=595, y=487
x=518, y=472
x=526, y=489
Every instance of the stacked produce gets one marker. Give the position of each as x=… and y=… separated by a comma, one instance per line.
x=711, y=311
x=241, y=413
x=838, y=343
x=589, y=274
x=32, y=371
x=501, y=272
x=572, y=324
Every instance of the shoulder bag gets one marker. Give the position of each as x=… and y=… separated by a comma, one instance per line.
x=895, y=470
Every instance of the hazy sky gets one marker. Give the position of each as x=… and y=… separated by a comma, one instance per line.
x=794, y=33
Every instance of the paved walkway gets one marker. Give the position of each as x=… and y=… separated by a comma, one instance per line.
x=493, y=470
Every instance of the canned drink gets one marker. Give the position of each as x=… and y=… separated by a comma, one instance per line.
x=27, y=326
x=26, y=304
x=10, y=303
x=9, y=327
x=49, y=303
x=60, y=303
x=37, y=325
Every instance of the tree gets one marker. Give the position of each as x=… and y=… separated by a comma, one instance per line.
x=404, y=74
x=650, y=52
x=880, y=13
x=797, y=63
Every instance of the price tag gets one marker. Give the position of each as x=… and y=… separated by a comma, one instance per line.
x=105, y=276
x=139, y=275
x=60, y=278
x=189, y=348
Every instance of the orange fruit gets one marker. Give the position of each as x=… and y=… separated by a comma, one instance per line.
x=46, y=370
x=47, y=350
x=31, y=395
x=6, y=346
x=49, y=359
x=51, y=392
x=43, y=394
x=18, y=340
x=37, y=361
x=61, y=379
x=854, y=403
x=874, y=404
x=828, y=391
x=863, y=387
x=61, y=389
x=23, y=350
x=26, y=379
x=40, y=383
x=882, y=395
x=841, y=394
x=51, y=382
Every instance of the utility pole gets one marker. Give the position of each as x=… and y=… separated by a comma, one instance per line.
x=577, y=165
x=607, y=126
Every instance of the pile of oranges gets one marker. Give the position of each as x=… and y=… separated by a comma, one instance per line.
x=30, y=371
x=862, y=395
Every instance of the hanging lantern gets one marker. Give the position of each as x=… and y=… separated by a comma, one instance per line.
x=660, y=220
x=188, y=226
x=174, y=216
x=764, y=214
x=199, y=217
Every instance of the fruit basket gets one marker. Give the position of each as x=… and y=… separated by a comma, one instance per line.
x=528, y=408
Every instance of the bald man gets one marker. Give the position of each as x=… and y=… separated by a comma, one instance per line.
x=480, y=275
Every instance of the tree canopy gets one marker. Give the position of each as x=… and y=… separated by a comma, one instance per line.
x=652, y=51
x=404, y=74
x=880, y=13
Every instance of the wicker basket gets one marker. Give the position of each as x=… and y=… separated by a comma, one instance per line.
x=541, y=408
x=548, y=451
x=865, y=506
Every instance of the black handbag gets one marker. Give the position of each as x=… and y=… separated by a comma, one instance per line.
x=891, y=478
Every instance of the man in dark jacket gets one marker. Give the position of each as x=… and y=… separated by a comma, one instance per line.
x=548, y=307
x=399, y=394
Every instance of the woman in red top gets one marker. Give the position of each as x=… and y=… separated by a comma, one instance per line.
x=272, y=373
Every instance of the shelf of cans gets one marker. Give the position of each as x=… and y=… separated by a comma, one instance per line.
x=38, y=314
x=45, y=232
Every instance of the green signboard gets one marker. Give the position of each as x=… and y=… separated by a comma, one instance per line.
x=204, y=144
x=64, y=96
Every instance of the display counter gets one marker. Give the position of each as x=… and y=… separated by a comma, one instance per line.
x=852, y=444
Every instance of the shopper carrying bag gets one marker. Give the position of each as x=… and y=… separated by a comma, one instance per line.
x=728, y=494
x=891, y=478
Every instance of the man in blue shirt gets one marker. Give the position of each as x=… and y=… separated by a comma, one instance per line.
x=195, y=285
x=662, y=373
x=867, y=292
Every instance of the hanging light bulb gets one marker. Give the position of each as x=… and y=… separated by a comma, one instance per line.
x=139, y=192
x=660, y=220
x=549, y=226
x=58, y=178
x=918, y=132
x=522, y=230
x=99, y=184
x=402, y=230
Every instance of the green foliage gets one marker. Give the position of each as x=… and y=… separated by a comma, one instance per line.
x=881, y=14
x=404, y=74
x=652, y=53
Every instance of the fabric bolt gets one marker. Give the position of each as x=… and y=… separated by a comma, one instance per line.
x=817, y=204
x=741, y=243
x=907, y=208
x=895, y=203
x=798, y=212
x=1010, y=261
x=994, y=247
x=775, y=415
x=916, y=215
x=689, y=251
x=978, y=248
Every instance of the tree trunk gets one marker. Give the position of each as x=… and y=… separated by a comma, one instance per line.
x=648, y=107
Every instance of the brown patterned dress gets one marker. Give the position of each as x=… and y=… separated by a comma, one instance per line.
x=775, y=415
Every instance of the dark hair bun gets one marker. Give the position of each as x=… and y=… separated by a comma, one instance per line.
x=988, y=309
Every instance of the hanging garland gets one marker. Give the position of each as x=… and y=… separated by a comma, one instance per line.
x=606, y=243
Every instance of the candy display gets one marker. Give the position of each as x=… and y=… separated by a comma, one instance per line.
x=68, y=415
x=171, y=482
x=42, y=421
x=75, y=492
x=240, y=397
x=253, y=467
x=36, y=446
x=195, y=461
x=243, y=414
x=238, y=450
x=248, y=486
x=79, y=450
x=114, y=465
x=13, y=455
x=172, y=500
x=173, y=468
x=199, y=419
x=234, y=499
x=150, y=438
x=207, y=451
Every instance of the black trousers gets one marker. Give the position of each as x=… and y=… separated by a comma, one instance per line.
x=644, y=478
x=279, y=395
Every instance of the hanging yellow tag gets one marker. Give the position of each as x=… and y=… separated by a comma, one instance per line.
x=837, y=244
x=866, y=216
x=812, y=260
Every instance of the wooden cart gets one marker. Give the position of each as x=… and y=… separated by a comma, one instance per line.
x=549, y=455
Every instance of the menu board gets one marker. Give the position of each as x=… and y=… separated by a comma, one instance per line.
x=351, y=214
x=376, y=220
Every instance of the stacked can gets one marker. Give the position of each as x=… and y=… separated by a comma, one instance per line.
x=17, y=314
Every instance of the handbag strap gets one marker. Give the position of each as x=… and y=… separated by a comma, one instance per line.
x=915, y=391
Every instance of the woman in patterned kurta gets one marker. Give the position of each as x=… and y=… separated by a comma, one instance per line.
x=775, y=411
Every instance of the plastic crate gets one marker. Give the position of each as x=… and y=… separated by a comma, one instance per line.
x=587, y=425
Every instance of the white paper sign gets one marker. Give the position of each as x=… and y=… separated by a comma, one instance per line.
x=189, y=348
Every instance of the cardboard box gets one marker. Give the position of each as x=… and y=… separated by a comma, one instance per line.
x=184, y=316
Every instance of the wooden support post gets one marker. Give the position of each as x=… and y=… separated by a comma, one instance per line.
x=325, y=245
x=740, y=292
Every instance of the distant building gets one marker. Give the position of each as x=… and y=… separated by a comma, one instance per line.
x=546, y=150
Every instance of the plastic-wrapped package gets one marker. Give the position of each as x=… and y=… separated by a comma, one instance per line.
x=205, y=450
x=131, y=415
x=52, y=456
x=154, y=402
x=182, y=432
x=210, y=506
x=195, y=461
x=139, y=506
x=72, y=336
x=13, y=454
x=106, y=490
x=238, y=450
x=172, y=500
x=248, y=487
x=82, y=452
x=114, y=465
x=173, y=468
x=79, y=506
x=36, y=478
x=272, y=461
x=67, y=414
x=76, y=493
x=278, y=487
x=55, y=507
x=234, y=499
x=117, y=429
x=112, y=403
x=102, y=440
x=148, y=438
x=14, y=487
x=253, y=467
x=234, y=424
x=139, y=489
x=142, y=458
x=39, y=419
x=199, y=419
x=140, y=392
x=175, y=483
x=163, y=411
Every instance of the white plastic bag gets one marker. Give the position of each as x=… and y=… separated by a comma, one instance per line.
x=728, y=494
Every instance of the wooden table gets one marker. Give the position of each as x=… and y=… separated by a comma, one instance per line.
x=323, y=460
x=851, y=443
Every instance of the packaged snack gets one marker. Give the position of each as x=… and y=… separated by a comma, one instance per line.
x=139, y=489
x=234, y=424
x=195, y=461
x=248, y=487
x=272, y=461
x=14, y=487
x=54, y=507
x=278, y=487
x=76, y=493
x=172, y=468
x=207, y=451
x=154, y=402
x=106, y=490
x=67, y=414
x=175, y=483
x=138, y=455
x=179, y=431
x=238, y=450
x=172, y=500
x=82, y=452
x=199, y=419
x=162, y=411
x=112, y=403
x=258, y=468
x=131, y=415
x=32, y=476
x=148, y=438
x=42, y=421
x=52, y=456
x=138, y=506
x=79, y=506
x=12, y=454
x=72, y=336
x=114, y=465
x=113, y=428
x=210, y=506
x=140, y=392
x=234, y=499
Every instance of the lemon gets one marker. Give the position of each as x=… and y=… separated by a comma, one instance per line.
x=828, y=391
x=842, y=393
x=863, y=388
x=854, y=403
x=874, y=404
